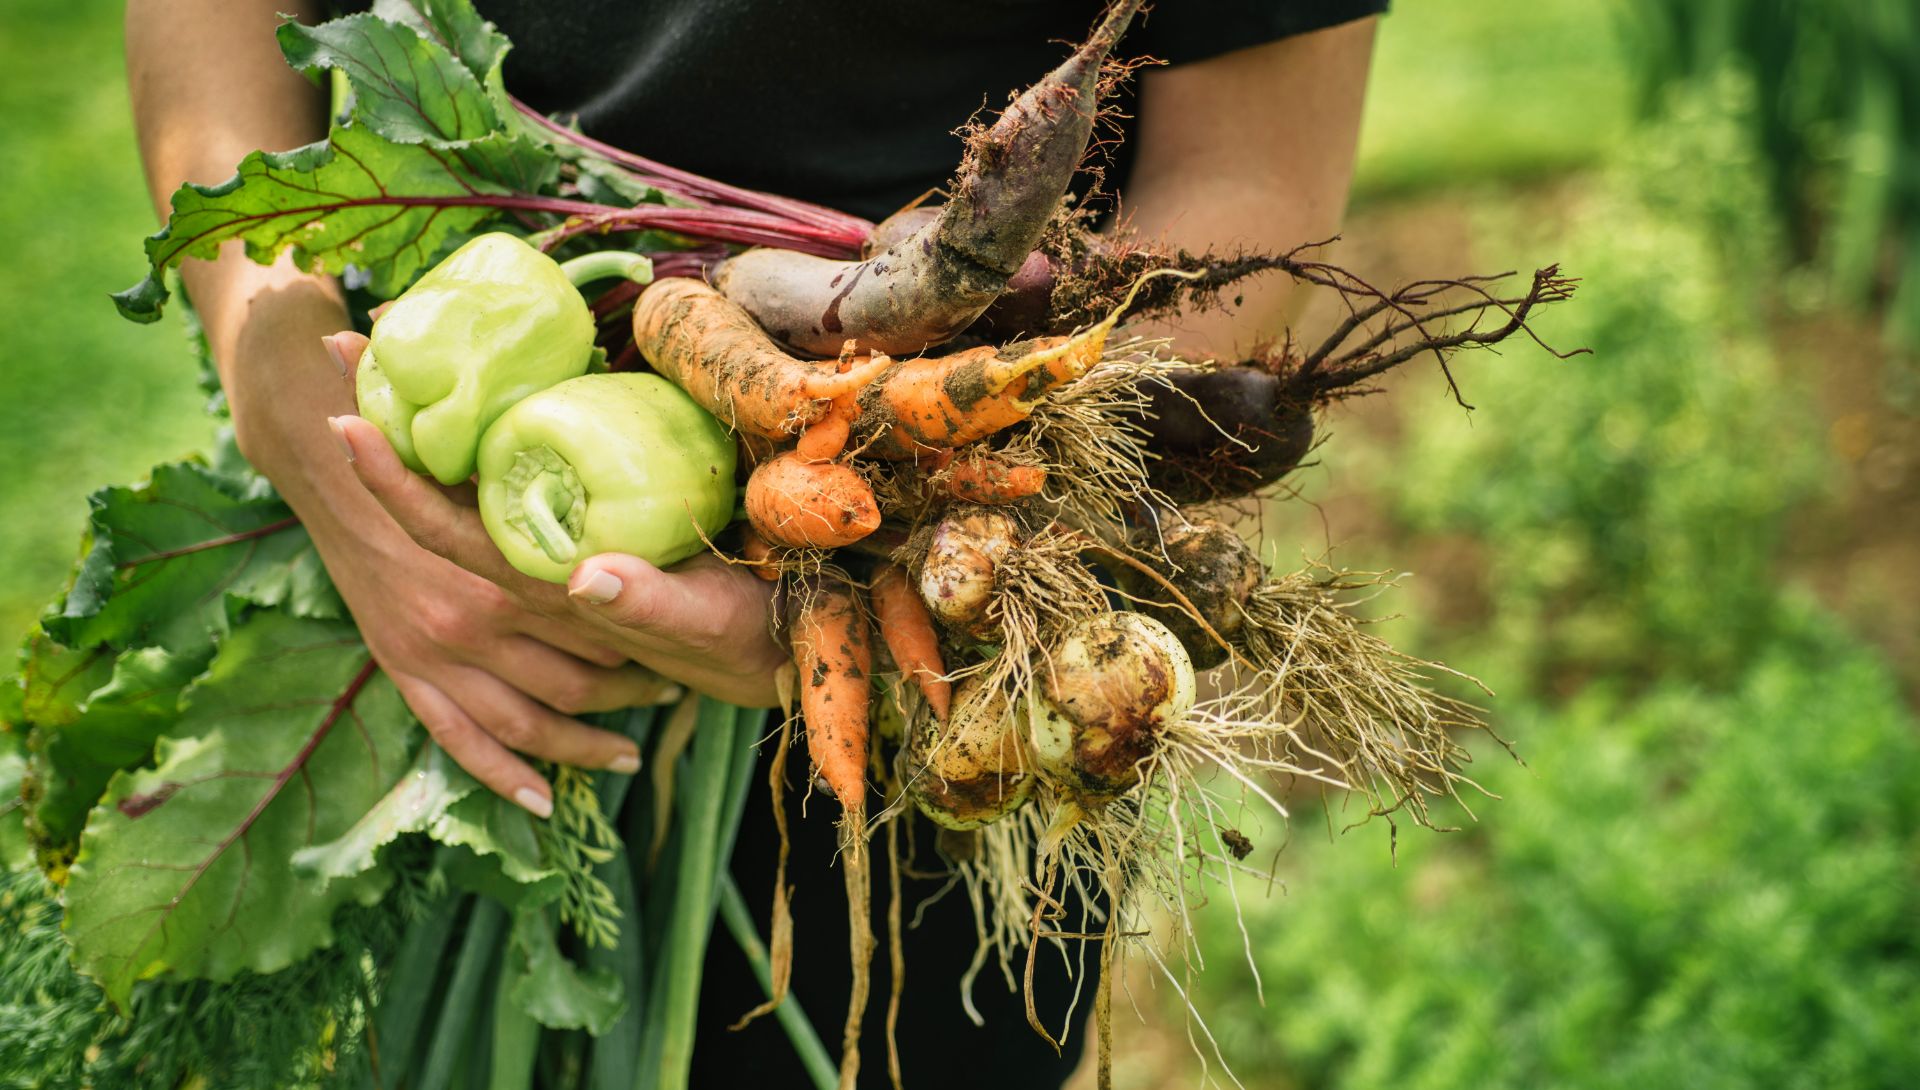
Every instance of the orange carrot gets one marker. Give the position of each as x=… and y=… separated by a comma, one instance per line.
x=822, y=505
x=758, y=555
x=984, y=477
x=910, y=636
x=831, y=648
x=927, y=404
x=709, y=347
x=826, y=438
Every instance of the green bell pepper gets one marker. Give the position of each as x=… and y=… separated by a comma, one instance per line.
x=602, y=463
x=496, y=321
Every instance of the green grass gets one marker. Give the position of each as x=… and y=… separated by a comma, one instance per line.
x=86, y=399
x=1470, y=91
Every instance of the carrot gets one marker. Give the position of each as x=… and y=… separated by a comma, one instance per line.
x=935, y=280
x=831, y=649
x=822, y=505
x=712, y=349
x=984, y=477
x=758, y=555
x=934, y=403
x=911, y=639
x=826, y=438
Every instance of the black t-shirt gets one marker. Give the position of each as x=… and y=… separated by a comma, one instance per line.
x=850, y=103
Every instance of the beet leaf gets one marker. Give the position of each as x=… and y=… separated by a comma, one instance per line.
x=167, y=555
x=407, y=88
x=90, y=713
x=354, y=199
x=184, y=869
x=437, y=797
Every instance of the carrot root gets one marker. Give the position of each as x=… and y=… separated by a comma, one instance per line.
x=911, y=638
x=801, y=504
x=986, y=478
x=832, y=650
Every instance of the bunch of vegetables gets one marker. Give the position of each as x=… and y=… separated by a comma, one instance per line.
x=939, y=433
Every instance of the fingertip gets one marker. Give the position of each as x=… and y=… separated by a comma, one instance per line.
x=626, y=566
x=345, y=349
x=367, y=448
x=333, y=353
x=537, y=803
x=338, y=425
x=600, y=579
x=594, y=586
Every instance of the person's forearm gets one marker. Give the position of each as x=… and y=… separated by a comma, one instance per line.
x=1251, y=149
x=208, y=86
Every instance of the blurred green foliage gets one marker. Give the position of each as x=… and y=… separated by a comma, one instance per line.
x=1837, y=122
x=1630, y=501
x=90, y=399
x=1689, y=888
x=1705, y=876
x=1495, y=91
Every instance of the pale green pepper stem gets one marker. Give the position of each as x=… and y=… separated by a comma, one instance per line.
x=543, y=523
x=607, y=265
x=547, y=502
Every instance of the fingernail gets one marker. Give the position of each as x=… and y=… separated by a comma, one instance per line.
x=534, y=802
x=673, y=694
x=626, y=764
x=600, y=587
x=340, y=435
x=333, y=349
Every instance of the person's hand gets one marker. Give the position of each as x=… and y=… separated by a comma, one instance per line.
x=492, y=681
x=704, y=622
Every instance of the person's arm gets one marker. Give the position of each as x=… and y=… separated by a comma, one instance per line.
x=1252, y=148
x=484, y=674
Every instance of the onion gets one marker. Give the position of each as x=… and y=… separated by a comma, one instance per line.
x=1106, y=692
x=1213, y=567
x=957, y=578
x=974, y=771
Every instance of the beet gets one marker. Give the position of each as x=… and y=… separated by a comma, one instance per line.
x=1199, y=458
x=931, y=283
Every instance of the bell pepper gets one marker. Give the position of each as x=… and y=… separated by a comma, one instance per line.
x=495, y=321
x=602, y=463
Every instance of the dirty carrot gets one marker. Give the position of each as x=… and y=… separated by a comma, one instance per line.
x=822, y=505
x=832, y=650
x=984, y=477
x=910, y=635
x=758, y=556
x=935, y=403
x=712, y=349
